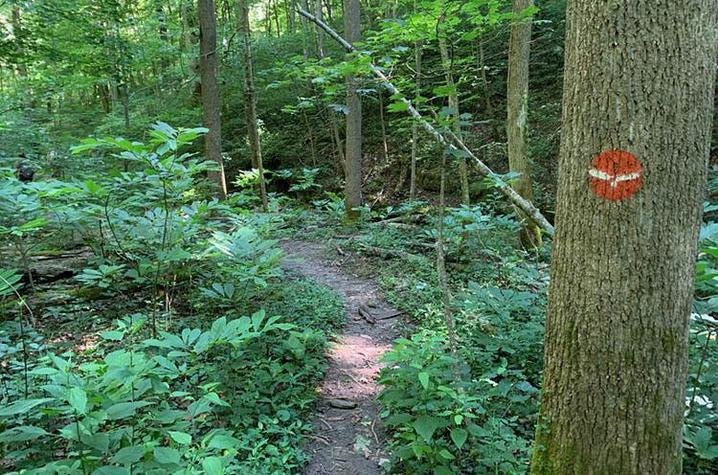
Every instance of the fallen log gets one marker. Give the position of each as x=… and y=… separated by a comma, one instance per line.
x=366, y=314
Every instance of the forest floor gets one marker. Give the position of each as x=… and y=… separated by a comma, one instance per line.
x=348, y=437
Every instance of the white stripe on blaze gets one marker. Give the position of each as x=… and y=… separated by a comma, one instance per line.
x=613, y=179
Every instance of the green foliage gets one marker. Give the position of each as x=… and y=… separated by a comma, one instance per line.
x=155, y=407
x=230, y=397
x=444, y=422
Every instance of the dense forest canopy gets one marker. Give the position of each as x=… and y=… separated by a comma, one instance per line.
x=314, y=236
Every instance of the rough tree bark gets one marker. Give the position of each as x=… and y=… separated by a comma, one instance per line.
x=210, y=91
x=638, y=83
x=517, y=93
x=353, y=155
x=250, y=102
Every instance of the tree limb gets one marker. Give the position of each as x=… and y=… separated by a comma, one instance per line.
x=526, y=206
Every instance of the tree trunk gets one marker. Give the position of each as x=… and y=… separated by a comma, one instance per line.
x=305, y=30
x=319, y=13
x=382, y=123
x=517, y=95
x=339, y=144
x=418, y=50
x=291, y=7
x=250, y=98
x=454, y=107
x=321, y=53
x=487, y=92
x=638, y=83
x=268, y=17
x=210, y=91
x=353, y=155
x=19, y=39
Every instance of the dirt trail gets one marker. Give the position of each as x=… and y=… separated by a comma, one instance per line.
x=347, y=440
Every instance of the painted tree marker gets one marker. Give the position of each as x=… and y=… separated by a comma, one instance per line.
x=615, y=175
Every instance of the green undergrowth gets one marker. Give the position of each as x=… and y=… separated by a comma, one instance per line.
x=475, y=411
x=179, y=345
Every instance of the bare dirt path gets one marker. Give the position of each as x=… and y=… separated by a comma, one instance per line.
x=348, y=437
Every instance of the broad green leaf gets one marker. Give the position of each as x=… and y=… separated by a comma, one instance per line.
x=110, y=470
x=424, y=379
x=99, y=441
x=22, y=434
x=459, y=436
x=180, y=437
x=22, y=407
x=257, y=320
x=223, y=442
x=124, y=409
x=213, y=466
x=114, y=335
x=446, y=454
x=166, y=456
x=426, y=425
x=214, y=398
x=129, y=455
x=77, y=397
x=399, y=106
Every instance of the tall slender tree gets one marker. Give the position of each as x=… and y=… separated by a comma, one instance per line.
x=210, y=91
x=418, y=53
x=517, y=95
x=637, y=113
x=353, y=155
x=250, y=101
x=454, y=104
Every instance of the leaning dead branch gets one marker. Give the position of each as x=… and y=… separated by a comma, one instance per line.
x=454, y=144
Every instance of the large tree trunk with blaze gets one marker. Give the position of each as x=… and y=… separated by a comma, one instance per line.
x=353, y=155
x=637, y=112
x=250, y=102
x=517, y=117
x=210, y=91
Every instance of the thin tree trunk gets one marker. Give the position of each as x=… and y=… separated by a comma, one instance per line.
x=19, y=38
x=638, y=87
x=125, y=95
x=338, y=140
x=487, y=92
x=291, y=7
x=382, y=122
x=353, y=185
x=210, y=91
x=276, y=18
x=442, y=275
x=310, y=134
x=319, y=13
x=455, y=110
x=255, y=145
x=517, y=94
x=418, y=50
x=328, y=3
x=305, y=30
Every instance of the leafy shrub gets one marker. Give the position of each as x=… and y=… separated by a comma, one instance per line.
x=156, y=407
x=444, y=422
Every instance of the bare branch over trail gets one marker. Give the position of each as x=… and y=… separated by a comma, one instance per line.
x=455, y=144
